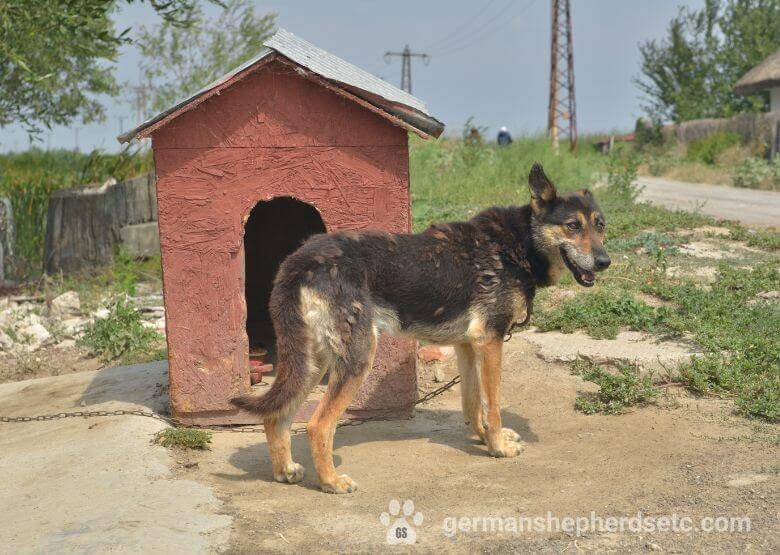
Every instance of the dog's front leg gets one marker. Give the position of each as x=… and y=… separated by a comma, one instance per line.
x=501, y=442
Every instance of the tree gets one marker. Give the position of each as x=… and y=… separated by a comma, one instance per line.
x=57, y=58
x=689, y=74
x=178, y=61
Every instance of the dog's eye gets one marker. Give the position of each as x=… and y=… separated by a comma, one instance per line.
x=573, y=226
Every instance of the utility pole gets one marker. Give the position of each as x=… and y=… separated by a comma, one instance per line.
x=121, y=120
x=141, y=100
x=406, y=65
x=562, y=111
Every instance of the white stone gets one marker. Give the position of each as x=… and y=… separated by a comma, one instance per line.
x=72, y=326
x=37, y=335
x=6, y=343
x=32, y=319
x=67, y=303
x=100, y=313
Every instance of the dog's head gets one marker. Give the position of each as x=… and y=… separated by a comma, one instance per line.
x=569, y=226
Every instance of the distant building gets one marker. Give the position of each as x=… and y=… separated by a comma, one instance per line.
x=764, y=77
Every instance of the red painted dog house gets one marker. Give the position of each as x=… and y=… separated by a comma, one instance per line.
x=294, y=142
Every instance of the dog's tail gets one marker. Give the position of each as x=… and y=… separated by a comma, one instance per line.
x=292, y=343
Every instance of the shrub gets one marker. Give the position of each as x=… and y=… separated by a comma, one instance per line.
x=756, y=173
x=120, y=334
x=706, y=150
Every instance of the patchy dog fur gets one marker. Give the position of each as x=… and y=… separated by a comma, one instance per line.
x=461, y=283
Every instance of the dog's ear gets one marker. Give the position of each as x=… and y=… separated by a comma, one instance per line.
x=542, y=190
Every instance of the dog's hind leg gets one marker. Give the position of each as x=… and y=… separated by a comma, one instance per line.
x=277, y=432
x=470, y=390
x=277, y=427
x=501, y=442
x=344, y=382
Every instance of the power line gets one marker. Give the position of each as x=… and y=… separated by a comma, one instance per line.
x=406, y=65
x=482, y=36
x=439, y=43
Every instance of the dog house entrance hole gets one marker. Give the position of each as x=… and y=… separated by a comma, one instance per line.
x=275, y=229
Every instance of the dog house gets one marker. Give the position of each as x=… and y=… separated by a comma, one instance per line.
x=294, y=142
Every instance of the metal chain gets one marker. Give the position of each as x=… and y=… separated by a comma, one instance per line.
x=86, y=414
x=436, y=392
x=229, y=428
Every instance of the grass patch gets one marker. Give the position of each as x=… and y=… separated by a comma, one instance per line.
x=648, y=242
x=617, y=391
x=453, y=180
x=601, y=313
x=185, y=438
x=708, y=149
x=121, y=336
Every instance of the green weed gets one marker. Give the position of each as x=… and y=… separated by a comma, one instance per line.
x=707, y=149
x=617, y=391
x=601, y=314
x=186, y=438
x=121, y=335
x=648, y=242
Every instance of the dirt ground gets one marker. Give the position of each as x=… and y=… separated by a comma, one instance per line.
x=688, y=457
x=47, y=361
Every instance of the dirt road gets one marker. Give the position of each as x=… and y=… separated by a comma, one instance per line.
x=749, y=206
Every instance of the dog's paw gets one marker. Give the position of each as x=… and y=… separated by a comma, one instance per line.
x=510, y=435
x=293, y=473
x=342, y=484
x=508, y=449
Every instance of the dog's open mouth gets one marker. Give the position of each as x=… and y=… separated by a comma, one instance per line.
x=586, y=278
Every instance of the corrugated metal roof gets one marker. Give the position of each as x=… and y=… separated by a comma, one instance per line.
x=370, y=88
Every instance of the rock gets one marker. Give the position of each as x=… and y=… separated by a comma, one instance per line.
x=438, y=373
x=67, y=303
x=653, y=546
x=431, y=353
x=32, y=319
x=37, y=336
x=66, y=344
x=72, y=326
x=768, y=295
x=159, y=325
x=6, y=343
x=100, y=313
x=643, y=349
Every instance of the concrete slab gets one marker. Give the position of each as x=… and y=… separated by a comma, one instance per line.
x=643, y=349
x=98, y=485
x=141, y=239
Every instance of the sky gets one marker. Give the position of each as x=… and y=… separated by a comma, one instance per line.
x=489, y=59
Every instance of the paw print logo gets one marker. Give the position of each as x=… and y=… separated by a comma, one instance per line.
x=400, y=531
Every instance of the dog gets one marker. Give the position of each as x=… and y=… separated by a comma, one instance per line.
x=464, y=284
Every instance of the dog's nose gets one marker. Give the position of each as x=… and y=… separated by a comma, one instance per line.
x=602, y=262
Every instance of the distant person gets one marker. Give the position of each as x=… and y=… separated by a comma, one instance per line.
x=504, y=138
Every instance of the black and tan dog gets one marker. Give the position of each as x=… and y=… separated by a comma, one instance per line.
x=463, y=284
